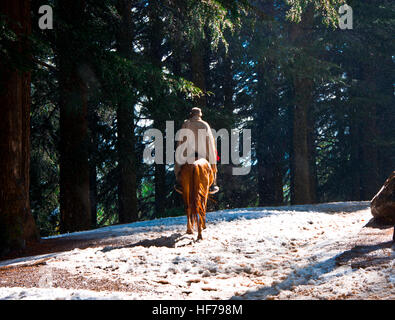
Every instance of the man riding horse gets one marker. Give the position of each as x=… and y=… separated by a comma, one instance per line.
x=201, y=147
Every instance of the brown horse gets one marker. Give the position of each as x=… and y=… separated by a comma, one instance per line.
x=196, y=179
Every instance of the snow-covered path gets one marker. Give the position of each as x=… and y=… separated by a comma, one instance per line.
x=255, y=253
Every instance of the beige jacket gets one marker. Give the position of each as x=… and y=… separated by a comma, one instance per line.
x=202, y=135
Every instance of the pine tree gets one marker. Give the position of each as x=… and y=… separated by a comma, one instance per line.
x=72, y=63
x=16, y=221
x=302, y=153
x=127, y=193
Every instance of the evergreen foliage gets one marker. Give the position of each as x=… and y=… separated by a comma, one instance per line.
x=257, y=61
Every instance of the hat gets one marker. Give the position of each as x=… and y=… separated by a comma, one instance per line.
x=196, y=112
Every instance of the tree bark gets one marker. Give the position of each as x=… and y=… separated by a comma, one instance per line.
x=127, y=195
x=383, y=203
x=303, y=142
x=303, y=188
x=364, y=137
x=226, y=179
x=268, y=150
x=158, y=105
x=74, y=140
x=93, y=161
x=160, y=180
x=355, y=159
x=369, y=134
x=16, y=221
x=198, y=72
x=127, y=187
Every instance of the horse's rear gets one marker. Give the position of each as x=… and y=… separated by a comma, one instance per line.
x=196, y=180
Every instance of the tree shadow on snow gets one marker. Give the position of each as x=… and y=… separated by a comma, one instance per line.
x=175, y=240
x=358, y=257
x=331, y=207
x=363, y=256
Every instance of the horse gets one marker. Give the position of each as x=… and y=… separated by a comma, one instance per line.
x=195, y=180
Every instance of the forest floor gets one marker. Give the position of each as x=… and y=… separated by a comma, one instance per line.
x=322, y=251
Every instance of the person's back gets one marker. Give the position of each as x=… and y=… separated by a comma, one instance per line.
x=202, y=146
x=204, y=143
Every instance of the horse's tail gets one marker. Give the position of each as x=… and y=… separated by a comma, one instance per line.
x=201, y=179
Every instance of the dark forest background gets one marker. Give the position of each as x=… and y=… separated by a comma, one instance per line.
x=319, y=101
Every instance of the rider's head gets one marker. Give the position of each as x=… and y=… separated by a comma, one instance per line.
x=195, y=112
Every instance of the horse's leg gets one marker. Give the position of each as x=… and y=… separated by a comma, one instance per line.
x=189, y=221
x=189, y=216
x=185, y=195
x=204, y=215
x=187, y=205
x=200, y=230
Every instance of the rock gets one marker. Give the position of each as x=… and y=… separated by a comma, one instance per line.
x=383, y=204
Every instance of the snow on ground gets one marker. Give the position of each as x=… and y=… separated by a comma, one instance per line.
x=253, y=253
x=59, y=294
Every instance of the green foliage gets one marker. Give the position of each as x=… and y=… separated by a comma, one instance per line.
x=236, y=38
x=328, y=9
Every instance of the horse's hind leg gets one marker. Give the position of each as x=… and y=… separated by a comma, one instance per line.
x=204, y=222
x=189, y=227
x=200, y=223
x=189, y=221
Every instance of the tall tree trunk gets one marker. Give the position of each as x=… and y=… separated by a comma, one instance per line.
x=303, y=143
x=127, y=187
x=268, y=150
x=93, y=161
x=16, y=221
x=198, y=72
x=127, y=195
x=312, y=151
x=160, y=180
x=370, y=183
x=303, y=189
x=74, y=140
x=364, y=136
x=278, y=181
x=93, y=193
x=225, y=174
x=385, y=120
x=157, y=105
x=355, y=159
